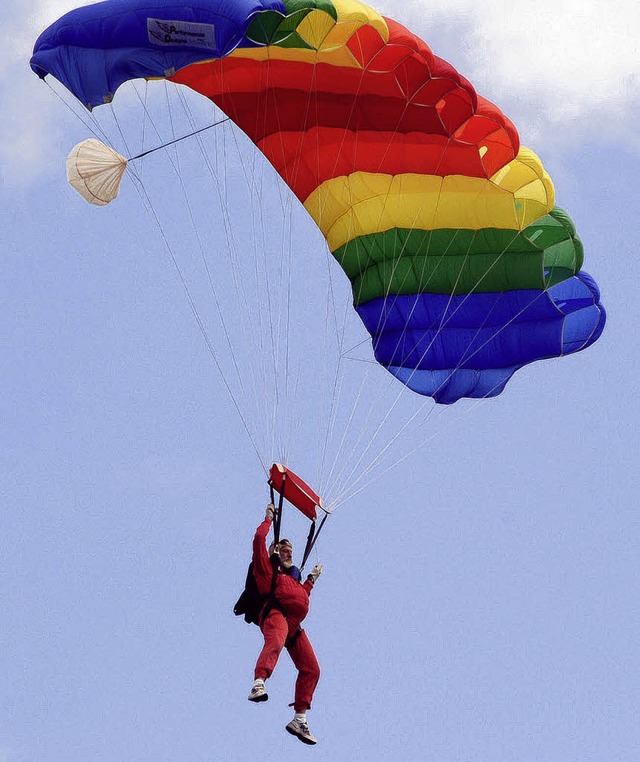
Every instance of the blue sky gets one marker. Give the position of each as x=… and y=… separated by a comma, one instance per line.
x=479, y=600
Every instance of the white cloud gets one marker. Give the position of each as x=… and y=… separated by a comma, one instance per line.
x=32, y=123
x=569, y=64
x=28, y=22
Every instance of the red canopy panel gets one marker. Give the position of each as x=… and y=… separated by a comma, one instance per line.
x=295, y=490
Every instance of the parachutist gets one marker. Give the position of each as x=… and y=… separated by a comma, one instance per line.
x=286, y=607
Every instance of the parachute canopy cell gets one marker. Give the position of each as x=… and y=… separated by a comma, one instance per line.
x=463, y=269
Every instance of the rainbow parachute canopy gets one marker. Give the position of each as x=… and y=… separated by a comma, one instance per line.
x=463, y=269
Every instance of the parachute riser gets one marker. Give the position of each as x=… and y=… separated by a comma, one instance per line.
x=311, y=540
x=277, y=519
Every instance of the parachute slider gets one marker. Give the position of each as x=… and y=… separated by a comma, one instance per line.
x=295, y=490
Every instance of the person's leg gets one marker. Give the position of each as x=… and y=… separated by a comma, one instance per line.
x=304, y=658
x=305, y=661
x=274, y=629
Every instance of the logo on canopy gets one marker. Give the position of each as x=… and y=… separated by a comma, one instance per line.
x=181, y=33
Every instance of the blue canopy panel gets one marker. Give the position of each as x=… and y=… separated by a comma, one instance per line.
x=448, y=347
x=94, y=49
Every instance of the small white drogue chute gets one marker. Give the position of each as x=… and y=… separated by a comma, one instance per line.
x=95, y=170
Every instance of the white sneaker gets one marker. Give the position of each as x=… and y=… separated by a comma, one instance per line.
x=301, y=729
x=258, y=693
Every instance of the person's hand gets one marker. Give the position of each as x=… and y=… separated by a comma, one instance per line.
x=315, y=573
x=270, y=512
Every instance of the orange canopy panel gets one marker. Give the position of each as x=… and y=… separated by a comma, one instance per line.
x=295, y=490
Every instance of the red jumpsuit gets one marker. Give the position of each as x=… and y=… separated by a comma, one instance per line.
x=282, y=623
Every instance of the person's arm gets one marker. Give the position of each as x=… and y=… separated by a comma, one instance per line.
x=312, y=577
x=262, y=569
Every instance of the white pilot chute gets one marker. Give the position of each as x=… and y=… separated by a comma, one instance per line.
x=95, y=170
